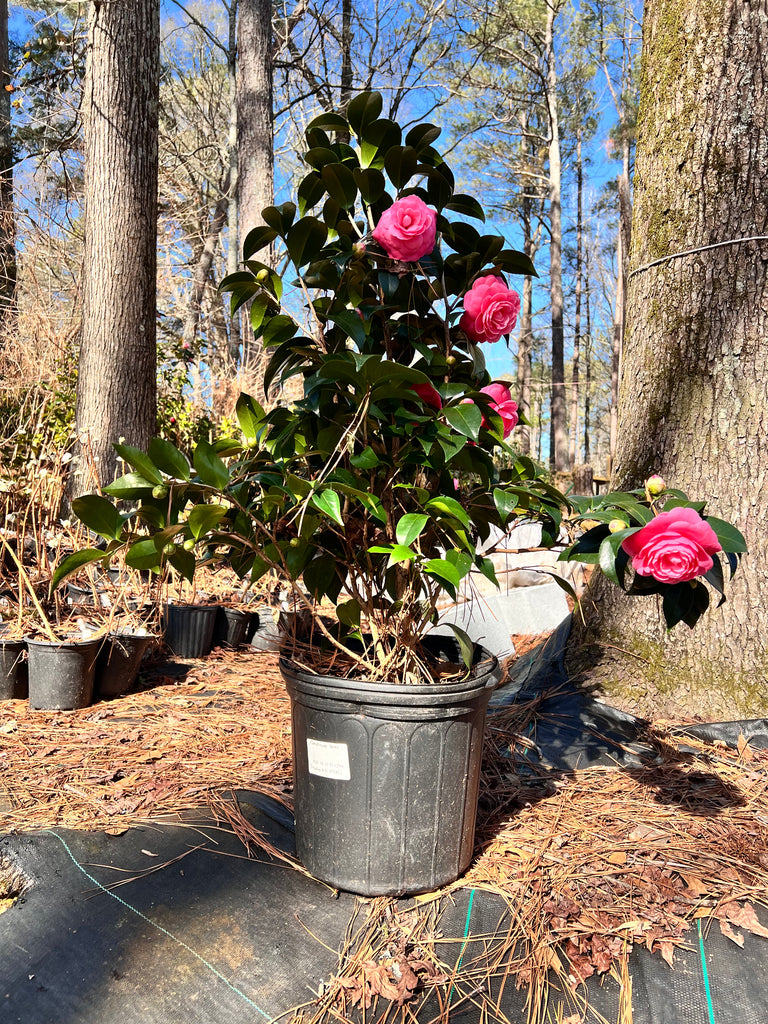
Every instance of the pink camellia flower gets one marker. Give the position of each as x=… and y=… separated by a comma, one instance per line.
x=428, y=395
x=501, y=402
x=407, y=230
x=490, y=309
x=674, y=547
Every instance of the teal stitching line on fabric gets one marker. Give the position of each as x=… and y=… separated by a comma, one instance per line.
x=159, y=927
x=464, y=944
x=705, y=973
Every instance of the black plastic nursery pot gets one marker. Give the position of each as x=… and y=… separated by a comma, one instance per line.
x=14, y=682
x=61, y=673
x=386, y=778
x=232, y=627
x=117, y=665
x=188, y=628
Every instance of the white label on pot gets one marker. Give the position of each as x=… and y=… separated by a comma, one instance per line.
x=331, y=760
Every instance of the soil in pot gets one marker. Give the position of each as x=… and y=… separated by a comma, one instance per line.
x=188, y=628
x=61, y=673
x=386, y=778
x=117, y=665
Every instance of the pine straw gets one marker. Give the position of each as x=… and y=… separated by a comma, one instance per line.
x=586, y=862
x=156, y=752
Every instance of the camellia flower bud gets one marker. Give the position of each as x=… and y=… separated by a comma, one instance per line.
x=655, y=485
x=617, y=524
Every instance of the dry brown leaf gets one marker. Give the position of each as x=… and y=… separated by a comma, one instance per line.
x=729, y=933
x=744, y=916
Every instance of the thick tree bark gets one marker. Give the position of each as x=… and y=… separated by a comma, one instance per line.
x=7, y=220
x=255, y=180
x=116, y=386
x=695, y=369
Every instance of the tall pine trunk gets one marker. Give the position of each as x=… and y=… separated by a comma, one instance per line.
x=694, y=386
x=116, y=383
x=558, y=455
x=573, y=445
x=255, y=171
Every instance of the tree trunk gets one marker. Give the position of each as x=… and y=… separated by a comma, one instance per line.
x=7, y=221
x=587, y=362
x=116, y=385
x=233, y=248
x=525, y=336
x=200, y=276
x=255, y=180
x=695, y=368
x=617, y=344
x=558, y=455
x=574, y=424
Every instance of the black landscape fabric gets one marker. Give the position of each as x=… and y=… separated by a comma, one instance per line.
x=212, y=936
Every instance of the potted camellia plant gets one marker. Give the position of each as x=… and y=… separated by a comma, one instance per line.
x=372, y=496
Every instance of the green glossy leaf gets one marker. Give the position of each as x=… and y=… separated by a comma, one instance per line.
x=400, y=164
x=258, y=238
x=139, y=461
x=99, y=515
x=449, y=506
x=730, y=538
x=204, y=518
x=328, y=501
x=210, y=468
x=329, y=121
x=373, y=506
x=505, y=503
x=514, y=262
x=280, y=217
x=143, y=554
x=320, y=576
x=168, y=458
x=75, y=561
x=439, y=188
x=250, y=415
x=422, y=135
x=131, y=485
x=339, y=182
x=410, y=527
x=612, y=558
x=714, y=577
x=363, y=110
x=305, y=240
x=401, y=553
x=183, y=562
x=444, y=569
x=461, y=559
x=487, y=568
x=371, y=183
x=348, y=613
x=319, y=156
x=466, y=418
x=466, y=645
x=378, y=139
x=467, y=206
x=351, y=323
x=367, y=459
x=310, y=192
